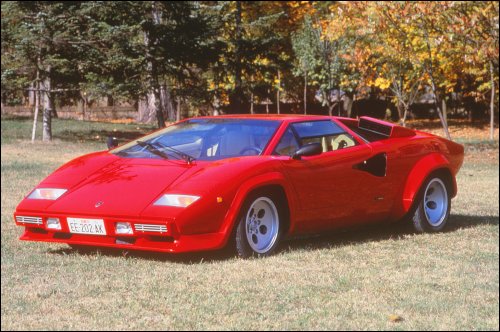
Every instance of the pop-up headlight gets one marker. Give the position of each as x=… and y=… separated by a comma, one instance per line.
x=176, y=200
x=47, y=193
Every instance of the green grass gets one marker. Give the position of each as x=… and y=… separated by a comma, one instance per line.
x=353, y=280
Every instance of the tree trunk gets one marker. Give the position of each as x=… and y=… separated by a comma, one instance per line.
x=330, y=108
x=37, y=105
x=305, y=93
x=167, y=103
x=251, y=102
x=153, y=103
x=146, y=109
x=84, y=104
x=445, y=110
x=31, y=93
x=400, y=108
x=405, y=114
x=109, y=100
x=236, y=98
x=348, y=105
x=48, y=107
x=402, y=117
x=436, y=104
x=160, y=118
x=278, y=93
x=237, y=55
x=492, y=103
x=216, y=105
x=178, y=111
x=434, y=90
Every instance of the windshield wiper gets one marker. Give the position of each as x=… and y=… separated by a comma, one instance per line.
x=188, y=158
x=153, y=149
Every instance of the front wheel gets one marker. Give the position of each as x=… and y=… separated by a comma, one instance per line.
x=433, y=208
x=259, y=228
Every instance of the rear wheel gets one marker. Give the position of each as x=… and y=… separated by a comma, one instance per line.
x=433, y=209
x=259, y=228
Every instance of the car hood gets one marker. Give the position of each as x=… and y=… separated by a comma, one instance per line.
x=103, y=184
x=117, y=186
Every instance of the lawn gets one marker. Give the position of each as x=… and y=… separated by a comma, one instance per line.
x=352, y=280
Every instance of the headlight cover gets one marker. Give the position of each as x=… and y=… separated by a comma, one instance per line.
x=47, y=193
x=176, y=200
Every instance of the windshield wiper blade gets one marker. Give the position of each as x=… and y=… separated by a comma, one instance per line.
x=153, y=149
x=188, y=158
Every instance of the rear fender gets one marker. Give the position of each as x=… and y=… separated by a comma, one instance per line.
x=272, y=178
x=422, y=169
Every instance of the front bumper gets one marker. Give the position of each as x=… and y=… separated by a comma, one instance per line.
x=170, y=241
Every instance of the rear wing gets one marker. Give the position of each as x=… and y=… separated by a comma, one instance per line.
x=375, y=130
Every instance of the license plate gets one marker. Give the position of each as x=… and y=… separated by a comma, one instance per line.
x=86, y=226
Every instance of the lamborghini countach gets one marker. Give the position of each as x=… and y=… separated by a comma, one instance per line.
x=246, y=181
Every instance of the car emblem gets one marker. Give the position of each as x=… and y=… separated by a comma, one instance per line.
x=98, y=204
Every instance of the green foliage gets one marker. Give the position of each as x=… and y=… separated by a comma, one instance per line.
x=205, y=52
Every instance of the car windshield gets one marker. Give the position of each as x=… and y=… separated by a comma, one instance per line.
x=203, y=139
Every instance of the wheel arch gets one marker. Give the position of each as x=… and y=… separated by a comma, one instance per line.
x=434, y=164
x=271, y=182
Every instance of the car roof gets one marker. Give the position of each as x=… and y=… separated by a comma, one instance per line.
x=275, y=117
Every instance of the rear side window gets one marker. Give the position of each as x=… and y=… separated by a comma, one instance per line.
x=316, y=129
x=328, y=134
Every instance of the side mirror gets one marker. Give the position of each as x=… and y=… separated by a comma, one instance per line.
x=311, y=149
x=111, y=142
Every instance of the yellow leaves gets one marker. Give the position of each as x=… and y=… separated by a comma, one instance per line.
x=262, y=61
x=395, y=318
x=382, y=83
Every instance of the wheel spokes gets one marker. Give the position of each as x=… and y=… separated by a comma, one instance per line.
x=431, y=205
x=262, y=224
x=436, y=202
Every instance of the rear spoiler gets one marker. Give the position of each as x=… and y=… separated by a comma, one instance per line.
x=379, y=127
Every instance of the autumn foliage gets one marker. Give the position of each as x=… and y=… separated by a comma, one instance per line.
x=177, y=59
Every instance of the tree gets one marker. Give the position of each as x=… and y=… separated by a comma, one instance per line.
x=304, y=43
x=328, y=62
x=474, y=28
x=43, y=46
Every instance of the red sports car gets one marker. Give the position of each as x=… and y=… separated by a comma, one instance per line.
x=247, y=181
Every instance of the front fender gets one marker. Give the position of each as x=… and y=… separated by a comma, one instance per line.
x=419, y=173
x=271, y=178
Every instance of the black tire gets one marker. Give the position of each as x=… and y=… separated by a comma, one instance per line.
x=244, y=248
x=431, y=214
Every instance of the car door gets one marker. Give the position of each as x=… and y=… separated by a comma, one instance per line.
x=331, y=190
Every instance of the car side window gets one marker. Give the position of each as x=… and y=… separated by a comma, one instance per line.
x=287, y=145
x=328, y=134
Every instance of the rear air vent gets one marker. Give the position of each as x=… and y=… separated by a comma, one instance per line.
x=375, y=127
x=29, y=220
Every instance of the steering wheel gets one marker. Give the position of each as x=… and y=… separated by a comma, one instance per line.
x=251, y=148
